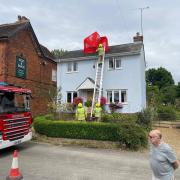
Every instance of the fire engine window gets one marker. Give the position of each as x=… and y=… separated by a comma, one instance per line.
x=8, y=100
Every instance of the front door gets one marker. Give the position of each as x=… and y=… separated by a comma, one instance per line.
x=89, y=94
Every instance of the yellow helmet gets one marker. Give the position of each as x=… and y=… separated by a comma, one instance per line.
x=80, y=105
x=100, y=45
x=97, y=105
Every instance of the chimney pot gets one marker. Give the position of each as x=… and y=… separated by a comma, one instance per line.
x=138, y=37
x=22, y=18
x=19, y=18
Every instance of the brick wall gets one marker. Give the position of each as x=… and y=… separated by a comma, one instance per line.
x=38, y=74
x=3, y=46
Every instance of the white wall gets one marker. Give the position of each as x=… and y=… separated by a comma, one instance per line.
x=70, y=81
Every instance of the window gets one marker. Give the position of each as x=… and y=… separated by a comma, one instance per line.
x=115, y=96
x=70, y=96
x=123, y=96
x=72, y=67
x=111, y=63
x=114, y=63
x=75, y=66
x=54, y=74
x=118, y=63
x=109, y=96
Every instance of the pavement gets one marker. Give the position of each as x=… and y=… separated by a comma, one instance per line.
x=41, y=161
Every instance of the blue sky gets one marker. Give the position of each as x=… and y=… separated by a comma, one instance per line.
x=64, y=24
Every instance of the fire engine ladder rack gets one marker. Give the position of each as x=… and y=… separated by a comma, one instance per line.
x=98, y=83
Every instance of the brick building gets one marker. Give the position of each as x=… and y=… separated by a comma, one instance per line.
x=25, y=62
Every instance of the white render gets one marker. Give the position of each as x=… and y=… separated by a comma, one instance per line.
x=130, y=77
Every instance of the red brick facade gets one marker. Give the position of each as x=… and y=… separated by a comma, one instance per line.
x=39, y=67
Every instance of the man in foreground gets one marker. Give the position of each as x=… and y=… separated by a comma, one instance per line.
x=163, y=160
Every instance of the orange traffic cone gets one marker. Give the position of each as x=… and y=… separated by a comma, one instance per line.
x=14, y=173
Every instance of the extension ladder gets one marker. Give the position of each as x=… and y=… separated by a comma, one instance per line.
x=98, y=83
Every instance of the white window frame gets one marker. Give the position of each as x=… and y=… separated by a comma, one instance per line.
x=120, y=91
x=72, y=96
x=72, y=67
x=54, y=75
x=114, y=61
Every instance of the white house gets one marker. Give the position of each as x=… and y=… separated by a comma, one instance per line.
x=123, y=79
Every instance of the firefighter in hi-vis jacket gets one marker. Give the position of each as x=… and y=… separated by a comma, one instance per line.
x=97, y=112
x=80, y=113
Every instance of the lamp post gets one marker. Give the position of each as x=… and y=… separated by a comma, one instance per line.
x=141, y=9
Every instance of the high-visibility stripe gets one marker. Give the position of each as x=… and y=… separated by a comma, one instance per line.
x=15, y=163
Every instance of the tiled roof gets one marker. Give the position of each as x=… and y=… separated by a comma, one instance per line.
x=117, y=49
x=9, y=30
x=46, y=52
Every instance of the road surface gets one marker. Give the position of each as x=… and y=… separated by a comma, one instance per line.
x=38, y=161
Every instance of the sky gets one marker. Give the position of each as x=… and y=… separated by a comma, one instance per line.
x=63, y=24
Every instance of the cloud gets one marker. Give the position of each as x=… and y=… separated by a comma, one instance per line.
x=64, y=24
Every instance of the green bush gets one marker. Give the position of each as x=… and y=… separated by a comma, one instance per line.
x=166, y=113
x=88, y=103
x=117, y=117
x=133, y=136
x=145, y=117
x=130, y=135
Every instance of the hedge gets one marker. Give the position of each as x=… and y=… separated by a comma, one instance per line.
x=118, y=117
x=132, y=136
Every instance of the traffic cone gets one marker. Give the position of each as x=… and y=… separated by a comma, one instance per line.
x=14, y=173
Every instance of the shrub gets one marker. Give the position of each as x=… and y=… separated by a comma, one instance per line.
x=130, y=135
x=66, y=107
x=77, y=100
x=103, y=101
x=166, y=113
x=88, y=103
x=145, y=117
x=117, y=117
x=133, y=136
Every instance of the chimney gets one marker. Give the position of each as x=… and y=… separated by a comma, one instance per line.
x=138, y=37
x=19, y=18
x=22, y=19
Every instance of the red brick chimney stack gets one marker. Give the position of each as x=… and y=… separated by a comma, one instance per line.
x=22, y=19
x=138, y=37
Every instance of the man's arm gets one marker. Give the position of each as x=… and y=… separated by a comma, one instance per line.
x=175, y=164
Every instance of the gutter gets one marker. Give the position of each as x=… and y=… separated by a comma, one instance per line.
x=96, y=57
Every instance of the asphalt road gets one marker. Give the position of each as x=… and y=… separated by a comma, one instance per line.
x=49, y=162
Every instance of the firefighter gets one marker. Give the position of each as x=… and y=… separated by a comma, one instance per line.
x=100, y=51
x=97, y=112
x=80, y=113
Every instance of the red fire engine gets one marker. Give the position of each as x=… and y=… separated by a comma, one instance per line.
x=15, y=115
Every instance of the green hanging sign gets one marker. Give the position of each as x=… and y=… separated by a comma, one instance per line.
x=20, y=67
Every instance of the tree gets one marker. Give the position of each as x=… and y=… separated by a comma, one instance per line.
x=154, y=96
x=53, y=97
x=159, y=77
x=178, y=90
x=169, y=94
x=57, y=53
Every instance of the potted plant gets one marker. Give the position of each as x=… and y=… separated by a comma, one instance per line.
x=114, y=106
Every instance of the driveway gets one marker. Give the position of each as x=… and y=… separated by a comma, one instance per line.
x=40, y=161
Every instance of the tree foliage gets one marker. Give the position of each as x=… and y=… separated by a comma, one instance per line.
x=178, y=90
x=58, y=52
x=159, y=77
x=169, y=94
x=154, y=96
